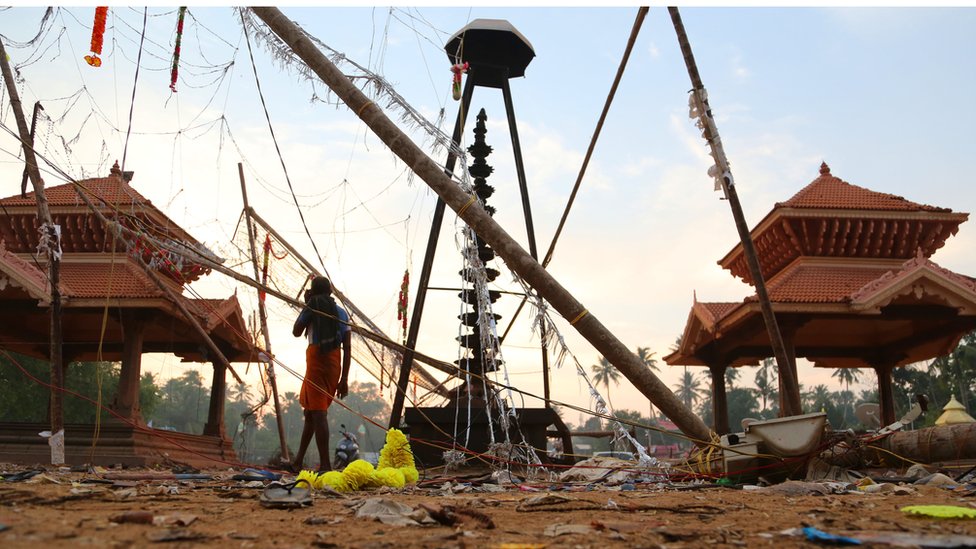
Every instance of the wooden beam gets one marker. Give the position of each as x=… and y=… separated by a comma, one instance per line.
x=471, y=212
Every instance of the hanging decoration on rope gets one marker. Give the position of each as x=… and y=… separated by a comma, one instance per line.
x=175, y=71
x=402, y=303
x=268, y=253
x=458, y=70
x=98, y=34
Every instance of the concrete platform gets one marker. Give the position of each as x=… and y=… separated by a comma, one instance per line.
x=117, y=443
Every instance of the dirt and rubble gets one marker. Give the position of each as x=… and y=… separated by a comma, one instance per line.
x=60, y=508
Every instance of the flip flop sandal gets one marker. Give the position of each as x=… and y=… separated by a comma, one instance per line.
x=287, y=496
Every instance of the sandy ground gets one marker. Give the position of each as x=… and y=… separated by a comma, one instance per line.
x=57, y=509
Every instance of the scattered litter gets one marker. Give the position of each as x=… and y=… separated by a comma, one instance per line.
x=555, y=502
x=937, y=479
x=179, y=519
x=554, y=530
x=450, y=515
x=259, y=475
x=23, y=475
x=174, y=534
x=125, y=493
x=819, y=536
x=287, y=496
x=315, y=521
x=133, y=517
x=917, y=471
x=601, y=469
x=392, y=512
x=41, y=478
x=910, y=539
x=798, y=488
x=940, y=511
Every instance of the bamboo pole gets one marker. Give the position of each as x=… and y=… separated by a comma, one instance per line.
x=474, y=215
x=263, y=316
x=792, y=398
x=54, y=263
x=357, y=313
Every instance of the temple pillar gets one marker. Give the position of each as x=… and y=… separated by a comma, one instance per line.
x=218, y=394
x=785, y=392
x=126, y=402
x=886, y=393
x=720, y=403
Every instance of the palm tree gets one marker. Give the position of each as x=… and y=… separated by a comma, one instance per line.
x=766, y=382
x=847, y=376
x=605, y=373
x=689, y=389
x=731, y=376
x=646, y=356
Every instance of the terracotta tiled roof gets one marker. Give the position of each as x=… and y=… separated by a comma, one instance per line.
x=88, y=280
x=806, y=283
x=112, y=189
x=26, y=274
x=829, y=192
x=711, y=313
x=917, y=263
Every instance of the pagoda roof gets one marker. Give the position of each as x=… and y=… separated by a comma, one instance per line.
x=839, y=315
x=833, y=218
x=830, y=192
x=82, y=232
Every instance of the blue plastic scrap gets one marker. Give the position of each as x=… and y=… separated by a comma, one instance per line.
x=819, y=536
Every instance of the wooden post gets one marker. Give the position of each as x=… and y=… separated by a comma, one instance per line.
x=469, y=210
x=791, y=402
x=263, y=316
x=218, y=394
x=885, y=393
x=720, y=401
x=53, y=239
x=127, y=395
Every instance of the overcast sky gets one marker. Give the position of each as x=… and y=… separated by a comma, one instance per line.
x=883, y=95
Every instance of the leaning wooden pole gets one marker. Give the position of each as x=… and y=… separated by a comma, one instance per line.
x=263, y=316
x=710, y=132
x=469, y=210
x=52, y=242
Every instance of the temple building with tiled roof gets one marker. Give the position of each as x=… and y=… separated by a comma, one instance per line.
x=100, y=277
x=850, y=279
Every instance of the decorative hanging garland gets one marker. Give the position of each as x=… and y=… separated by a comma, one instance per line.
x=98, y=35
x=175, y=72
x=402, y=303
x=458, y=70
x=268, y=254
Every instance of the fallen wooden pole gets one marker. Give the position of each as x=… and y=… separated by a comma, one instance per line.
x=469, y=210
x=263, y=314
x=902, y=448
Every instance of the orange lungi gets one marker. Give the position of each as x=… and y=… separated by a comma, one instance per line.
x=322, y=372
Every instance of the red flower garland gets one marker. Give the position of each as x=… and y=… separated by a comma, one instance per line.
x=402, y=302
x=174, y=73
x=98, y=34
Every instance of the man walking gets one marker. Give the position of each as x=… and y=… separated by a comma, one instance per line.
x=326, y=367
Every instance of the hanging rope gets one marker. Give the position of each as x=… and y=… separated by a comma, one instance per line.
x=135, y=83
x=638, y=22
x=274, y=139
